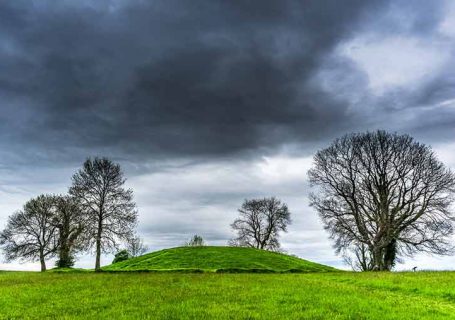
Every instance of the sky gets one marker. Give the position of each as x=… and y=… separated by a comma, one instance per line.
x=207, y=103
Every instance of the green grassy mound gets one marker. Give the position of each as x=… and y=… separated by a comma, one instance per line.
x=217, y=259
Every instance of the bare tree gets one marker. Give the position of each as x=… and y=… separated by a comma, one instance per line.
x=358, y=256
x=70, y=222
x=260, y=222
x=30, y=233
x=111, y=212
x=135, y=246
x=196, y=241
x=384, y=192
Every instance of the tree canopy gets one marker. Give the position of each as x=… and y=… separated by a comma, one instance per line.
x=30, y=234
x=259, y=223
x=111, y=212
x=382, y=195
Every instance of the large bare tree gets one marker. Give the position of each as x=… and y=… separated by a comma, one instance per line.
x=70, y=221
x=30, y=234
x=111, y=212
x=383, y=195
x=260, y=222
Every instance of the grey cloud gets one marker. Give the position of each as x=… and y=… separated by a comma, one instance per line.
x=167, y=77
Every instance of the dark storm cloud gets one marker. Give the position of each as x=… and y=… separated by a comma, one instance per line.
x=167, y=77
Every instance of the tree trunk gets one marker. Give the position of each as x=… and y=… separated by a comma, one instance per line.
x=98, y=247
x=377, y=259
x=64, y=257
x=42, y=261
x=63, y=248
x=390, y=255
x=98, y=255
x=384, y=258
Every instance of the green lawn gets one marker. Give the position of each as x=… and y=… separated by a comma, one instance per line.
x=218, y=259
x=130, y=295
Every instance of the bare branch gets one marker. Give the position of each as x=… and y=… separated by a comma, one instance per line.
x=110, y=210
x=260, y=222
x=384, y=192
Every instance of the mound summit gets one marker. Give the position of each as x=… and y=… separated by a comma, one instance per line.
x=217, y=259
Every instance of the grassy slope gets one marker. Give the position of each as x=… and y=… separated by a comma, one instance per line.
x=219, y=259
x=334, y=295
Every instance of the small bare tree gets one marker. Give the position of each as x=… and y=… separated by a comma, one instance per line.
x=196, y=241
x=383, y=195
x=260, y=222
x=70, y=222
x=358, y=256
x=30, y=234
x=111, y=212
x=135, y=246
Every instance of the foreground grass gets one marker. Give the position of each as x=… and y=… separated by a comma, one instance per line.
x=217, y=259
x=422, y=295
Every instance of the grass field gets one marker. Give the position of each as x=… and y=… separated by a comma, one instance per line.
x=217, y=259
x=202, y=283
x=130, y=295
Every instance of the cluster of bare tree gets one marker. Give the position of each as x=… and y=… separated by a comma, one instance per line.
x=98, y=213
x=382, y=196
x=196, y=241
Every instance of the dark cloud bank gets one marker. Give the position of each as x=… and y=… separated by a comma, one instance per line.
x=175, y=78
